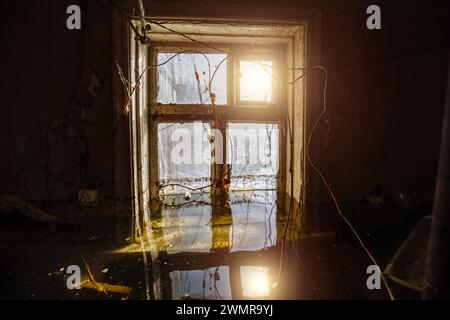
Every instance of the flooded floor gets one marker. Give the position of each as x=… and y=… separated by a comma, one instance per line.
x=242, y=248
x=230, y=250
x=238, y=248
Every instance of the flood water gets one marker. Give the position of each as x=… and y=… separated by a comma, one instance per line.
x=237, y=248
x=227, y=250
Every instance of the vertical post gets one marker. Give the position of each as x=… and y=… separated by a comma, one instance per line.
x=437, y=277
x=218, y=169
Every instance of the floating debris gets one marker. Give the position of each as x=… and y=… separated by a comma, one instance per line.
x=106, y=287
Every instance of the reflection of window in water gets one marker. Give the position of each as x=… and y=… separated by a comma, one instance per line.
x=187, y=229
x=252, y=226
x=214, y=283
x=211, y=284
x=255, y=282
x=254, y=221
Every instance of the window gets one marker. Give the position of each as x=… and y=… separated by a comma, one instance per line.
x=205, y=103
x=220, y=118
x=188, y=76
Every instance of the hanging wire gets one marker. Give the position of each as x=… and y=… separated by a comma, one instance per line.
x=327, y=185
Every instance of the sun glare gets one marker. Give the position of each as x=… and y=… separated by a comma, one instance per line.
x=256, y=81
x=255, y=282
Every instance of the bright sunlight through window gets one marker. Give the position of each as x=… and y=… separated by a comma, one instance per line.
x=255, y=81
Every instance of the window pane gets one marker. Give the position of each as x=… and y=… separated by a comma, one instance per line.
x=184, y=154
x=252, y=152
x=177, y=80
x=256, y=81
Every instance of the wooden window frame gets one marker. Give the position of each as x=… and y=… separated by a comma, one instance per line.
x=233, y=111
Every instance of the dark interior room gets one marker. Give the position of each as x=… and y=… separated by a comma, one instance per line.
x=225, y=150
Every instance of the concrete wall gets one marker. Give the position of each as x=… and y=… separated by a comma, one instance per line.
x=385, y=99
x=384, y=114
x=54, y=129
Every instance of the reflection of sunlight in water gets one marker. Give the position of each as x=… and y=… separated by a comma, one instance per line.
x=214, y=283
x=255, y=282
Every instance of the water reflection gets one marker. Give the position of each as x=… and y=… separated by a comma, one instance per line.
x=255, y=282
x=254, y=223
x=229, y=250
x=187, y=229
x=211, y=283
x=247, y=222
x=215, y=283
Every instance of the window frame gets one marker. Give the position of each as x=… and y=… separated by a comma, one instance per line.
x=233, y=111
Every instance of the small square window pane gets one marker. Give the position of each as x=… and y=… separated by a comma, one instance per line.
x=177, y=80
x=255, y=81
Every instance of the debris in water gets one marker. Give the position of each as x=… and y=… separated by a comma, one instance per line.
x=106, y=288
